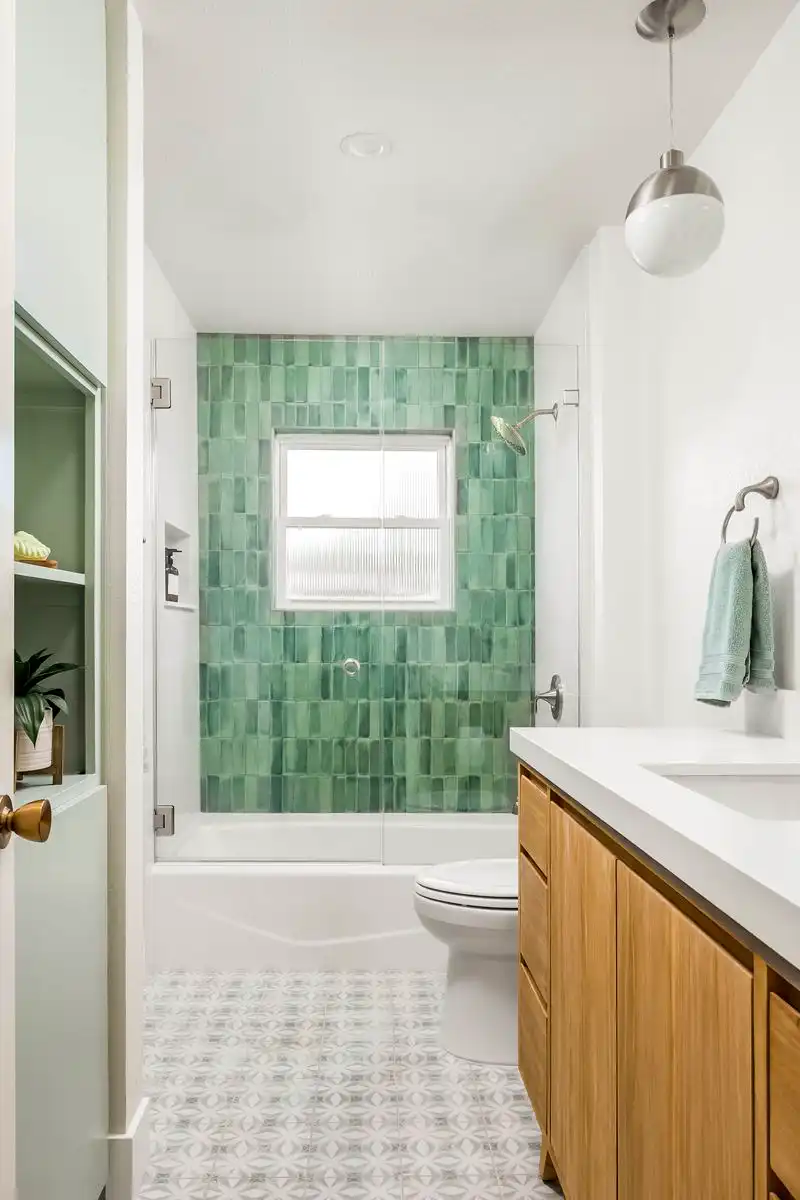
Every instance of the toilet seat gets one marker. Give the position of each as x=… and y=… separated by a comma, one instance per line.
x=490, y=883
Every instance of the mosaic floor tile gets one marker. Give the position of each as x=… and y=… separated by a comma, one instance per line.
x=325, y=1086
x=162, y=1185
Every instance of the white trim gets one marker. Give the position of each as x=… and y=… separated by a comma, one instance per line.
x=128, y=1155
x=442, y=443
x=26, y=570
x=7, y=922
x=55, y=357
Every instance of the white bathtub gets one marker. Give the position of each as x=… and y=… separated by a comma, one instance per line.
x=221, y=901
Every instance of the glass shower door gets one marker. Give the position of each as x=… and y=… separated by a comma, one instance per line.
x=279, y=568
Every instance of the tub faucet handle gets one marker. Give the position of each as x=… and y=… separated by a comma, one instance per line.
x=554, y=697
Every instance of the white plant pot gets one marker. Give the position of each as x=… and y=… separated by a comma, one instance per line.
x=34, y=758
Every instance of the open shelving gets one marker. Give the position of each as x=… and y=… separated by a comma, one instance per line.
x=56, y=499
x=49, y=574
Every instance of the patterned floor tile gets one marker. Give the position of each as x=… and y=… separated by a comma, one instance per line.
x=526, y=1187
x=318, y=1085
x=160, y=1185
x=486, y=1188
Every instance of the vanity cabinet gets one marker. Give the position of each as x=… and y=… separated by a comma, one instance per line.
x=582, y=1006
x=684, y=1029
x=784, y=1088
x=660, y=1050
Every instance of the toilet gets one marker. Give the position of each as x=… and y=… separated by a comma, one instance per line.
x=473, y=907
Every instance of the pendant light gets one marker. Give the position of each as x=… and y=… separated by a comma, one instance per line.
x=676, y=217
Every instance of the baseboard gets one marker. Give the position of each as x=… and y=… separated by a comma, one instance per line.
x=128, y=1154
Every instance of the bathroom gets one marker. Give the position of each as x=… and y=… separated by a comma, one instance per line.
x=394, y=857
x=348, y=730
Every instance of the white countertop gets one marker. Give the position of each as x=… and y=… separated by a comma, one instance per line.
x=746, y=867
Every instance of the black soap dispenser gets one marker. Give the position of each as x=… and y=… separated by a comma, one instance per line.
x=172, y=578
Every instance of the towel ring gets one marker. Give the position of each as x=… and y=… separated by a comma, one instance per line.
x=728, y=516
x=768, y=488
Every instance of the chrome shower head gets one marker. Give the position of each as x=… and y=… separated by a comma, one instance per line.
x=511, y=433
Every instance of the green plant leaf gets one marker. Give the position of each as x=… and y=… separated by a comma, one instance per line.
x=29, y=712
x=58, y=668
x=34, y=662
x=24, y=668
x=56, y=703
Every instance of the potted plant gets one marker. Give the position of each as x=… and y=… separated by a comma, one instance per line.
x=35, y=701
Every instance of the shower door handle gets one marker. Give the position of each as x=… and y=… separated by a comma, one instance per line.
x=554, y=697
x=351, y=667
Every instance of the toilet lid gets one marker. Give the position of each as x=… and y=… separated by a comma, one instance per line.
x=479, y=883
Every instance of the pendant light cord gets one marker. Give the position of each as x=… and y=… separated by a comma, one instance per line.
x=671, y=32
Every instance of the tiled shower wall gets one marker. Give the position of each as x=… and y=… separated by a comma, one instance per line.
x=425, y=727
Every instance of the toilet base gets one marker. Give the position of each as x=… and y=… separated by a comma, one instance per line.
x=479, y=1016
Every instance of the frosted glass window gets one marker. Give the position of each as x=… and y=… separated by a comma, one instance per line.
x=363, y=521
x=333, y=483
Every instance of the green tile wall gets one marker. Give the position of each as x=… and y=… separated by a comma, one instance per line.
x=425, y=725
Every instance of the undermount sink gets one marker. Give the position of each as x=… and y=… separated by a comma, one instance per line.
x=762, y=797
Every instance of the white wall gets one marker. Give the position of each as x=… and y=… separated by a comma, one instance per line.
x=688, y=394
x=61, y=205
x=599, y=308
x=729, y=388
x=172, y=351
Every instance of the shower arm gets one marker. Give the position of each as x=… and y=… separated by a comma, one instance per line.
x=552, y=412
x=538, y=412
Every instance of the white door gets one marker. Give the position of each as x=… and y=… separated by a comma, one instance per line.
x=7, y=1023
x=555, y=371
x=53, y=973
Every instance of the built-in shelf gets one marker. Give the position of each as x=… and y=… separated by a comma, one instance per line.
x=60, y=795
x=182, y=607
x=49, y=574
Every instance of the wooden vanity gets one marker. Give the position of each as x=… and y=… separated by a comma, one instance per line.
x=660, y=1050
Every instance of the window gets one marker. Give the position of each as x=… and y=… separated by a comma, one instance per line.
x=363, y=521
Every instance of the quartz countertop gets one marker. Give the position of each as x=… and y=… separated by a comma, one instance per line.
x=748, y=867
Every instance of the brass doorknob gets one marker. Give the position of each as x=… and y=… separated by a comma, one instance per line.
x=32, y=821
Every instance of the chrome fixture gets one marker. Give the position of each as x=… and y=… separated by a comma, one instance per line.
x=510, y=433
x=676, y=217
x=554, y=696
x=351, y=667
x=768, y=488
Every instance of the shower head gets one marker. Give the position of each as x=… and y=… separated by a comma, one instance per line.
x=511, y=433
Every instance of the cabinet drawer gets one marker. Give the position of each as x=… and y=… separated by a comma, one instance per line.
x=784, y=1092
x=534, y=942
x=533, y=1046
x=534, y=813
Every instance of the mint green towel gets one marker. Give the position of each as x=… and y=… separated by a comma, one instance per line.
x=738, y=639
x=762, y=630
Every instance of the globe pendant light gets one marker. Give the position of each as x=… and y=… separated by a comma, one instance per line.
x=676, y=217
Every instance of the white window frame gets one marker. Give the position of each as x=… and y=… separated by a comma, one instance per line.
x=442, y=443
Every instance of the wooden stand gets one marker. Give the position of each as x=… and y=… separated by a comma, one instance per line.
x=56, y=768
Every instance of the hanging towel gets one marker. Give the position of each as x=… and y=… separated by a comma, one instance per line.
x=762, y=632
x=738, y=634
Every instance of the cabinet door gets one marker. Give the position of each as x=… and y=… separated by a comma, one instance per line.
x=685, y=1056
x=582, y=1010
x=62, y=1007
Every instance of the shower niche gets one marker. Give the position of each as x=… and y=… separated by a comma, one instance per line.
x=56, y=602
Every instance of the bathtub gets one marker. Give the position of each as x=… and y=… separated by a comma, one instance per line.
x=306, y=892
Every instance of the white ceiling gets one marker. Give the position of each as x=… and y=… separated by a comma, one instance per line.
x=518, y=127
